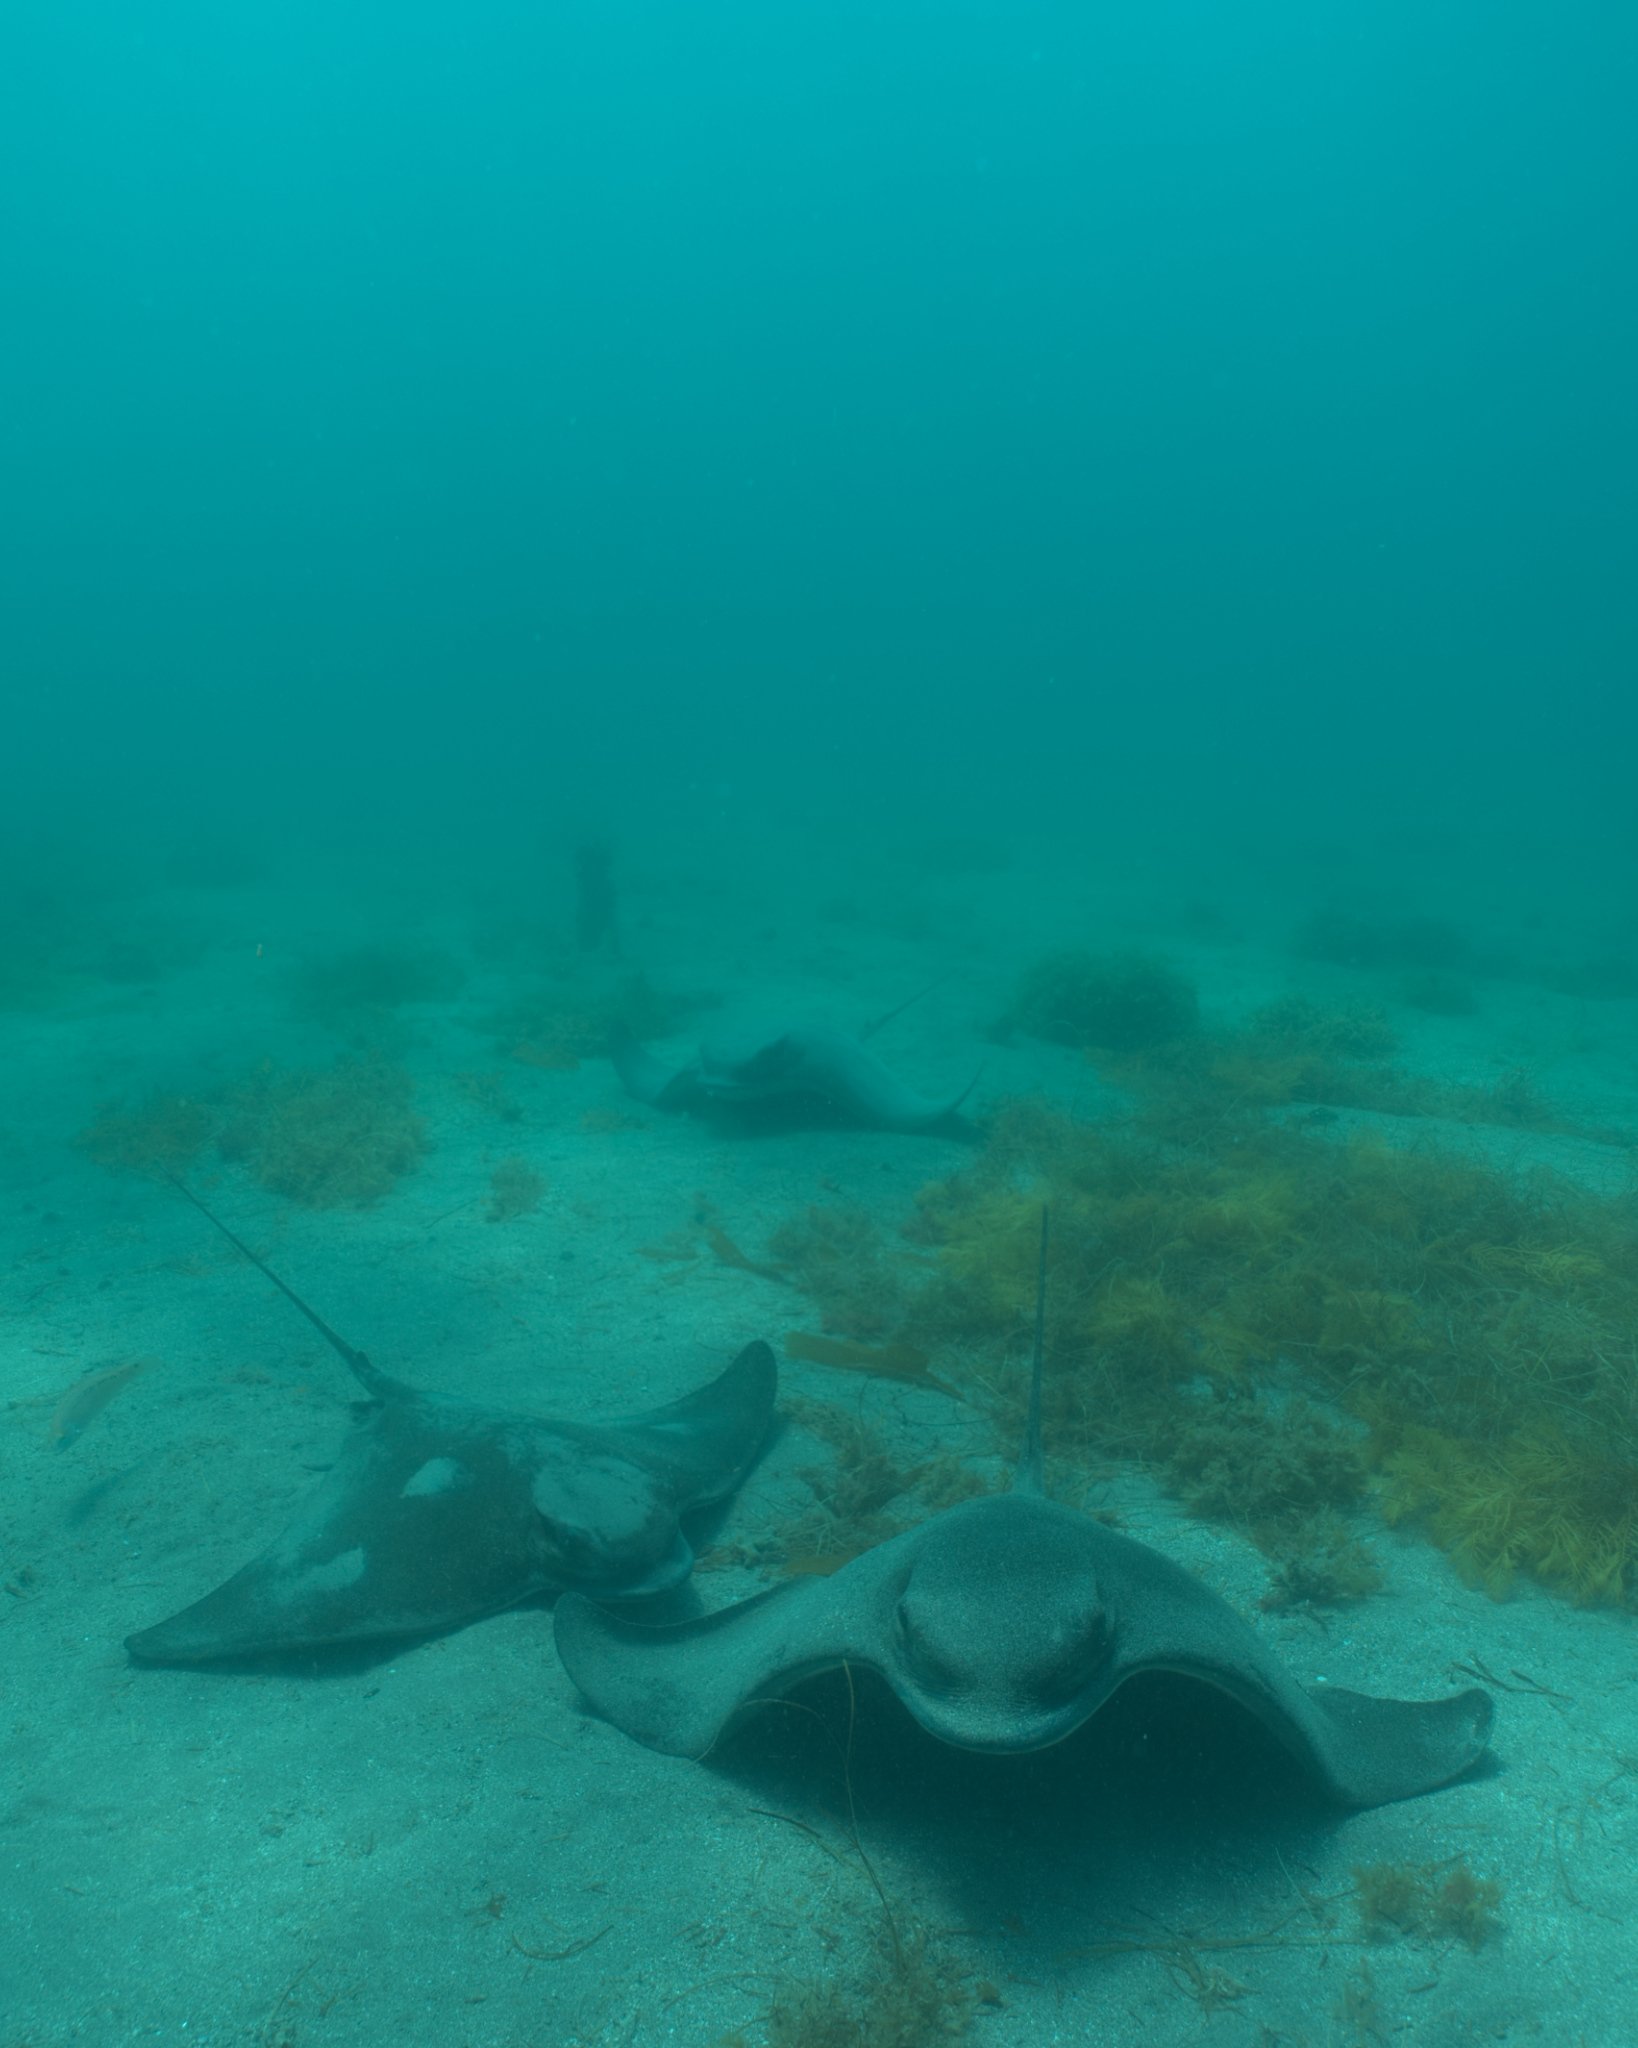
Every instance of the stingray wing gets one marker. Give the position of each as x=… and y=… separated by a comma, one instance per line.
x=676, y=1689
x=754, y=1065
x=437, y=1512
x=425, y=1520
x=1364, y=1751
x=851, y=1076
x=704, y=1444
x=650, y=1080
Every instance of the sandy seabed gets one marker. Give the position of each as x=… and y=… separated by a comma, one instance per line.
x=436, y=1841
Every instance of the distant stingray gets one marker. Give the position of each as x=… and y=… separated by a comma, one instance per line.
x=1002, y=1625
x=785, y=1069
x=438, y=1511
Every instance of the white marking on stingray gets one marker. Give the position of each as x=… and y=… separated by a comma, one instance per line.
x=437, y=1475
x=342, y=1571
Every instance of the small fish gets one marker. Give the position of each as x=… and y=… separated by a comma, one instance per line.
x=729, y=1254
x=87, y=1398
x=884, y=1361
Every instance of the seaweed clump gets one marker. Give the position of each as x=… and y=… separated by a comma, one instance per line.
x=1117, y=1002
x=334, y=1138
x=164, y=1135
x=1426, y=1901
x=1277, y=1323
x=329, y=1138
x=1538, y=1501
x=1318, y=1563
x=836, y=1255
x=905, y=1999
x=848, y=1513
x=571, y=1020
x=1239, y=1454
x=1289, y=1052
x=1281, y=1470
x=515, y=1189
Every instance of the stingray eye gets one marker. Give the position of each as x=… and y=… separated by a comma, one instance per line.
x=1078, y=1657
x=934, y=1671
x=906, y=1637
x=570, y=1553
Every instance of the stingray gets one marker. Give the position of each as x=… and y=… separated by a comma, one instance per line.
x=1003, y=1625
x=760, y=1068
x=438, y=1511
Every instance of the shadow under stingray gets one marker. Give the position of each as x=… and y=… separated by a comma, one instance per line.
x=1169, y=1808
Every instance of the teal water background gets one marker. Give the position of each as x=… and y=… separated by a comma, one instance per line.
x=418, y=416
x=932, y=492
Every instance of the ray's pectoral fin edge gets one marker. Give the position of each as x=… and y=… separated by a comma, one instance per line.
x=1368, y=1751
x=648, y=1080
x=677, y=1689
x=705, y=1443
x=439, y=1511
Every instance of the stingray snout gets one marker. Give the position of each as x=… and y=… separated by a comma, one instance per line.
x=1026, y=1677
x=994, y=1724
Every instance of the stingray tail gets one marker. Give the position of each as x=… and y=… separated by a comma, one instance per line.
x=1031, y=1474
x=876, y=1023
x=370, y=1377
x=952, y=1110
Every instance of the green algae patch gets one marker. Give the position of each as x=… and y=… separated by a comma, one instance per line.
x=838, y=1255
x=1117, y=1002
x=1559, y=1506
x=1435, y=1902
x=330, y=1138
x=1288, y=1330
x=908, y=1998
x=563, y=1022
x=163, y=1134
x=515, y=1189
